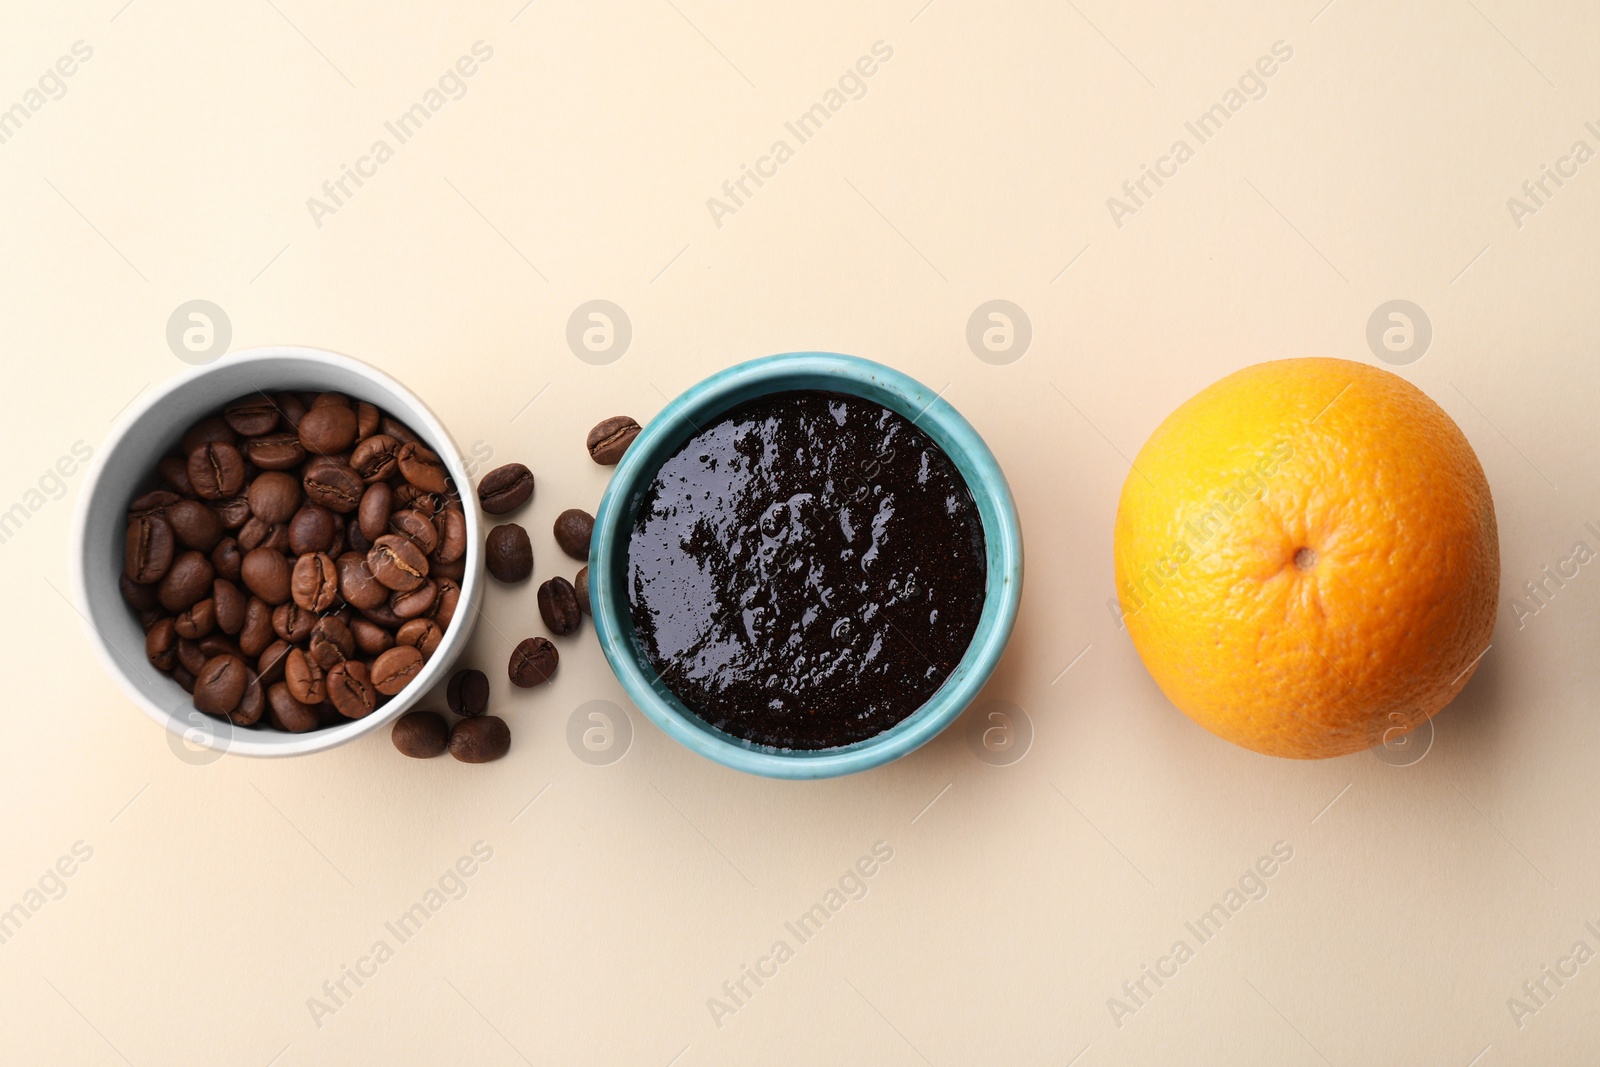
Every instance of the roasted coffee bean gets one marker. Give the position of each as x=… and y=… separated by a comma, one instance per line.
x=350, y=688
x=252, y=416
x=573, y=531
x=451, y=524
x=334, y=486
x=273, y=660
x=328, y=428
x=375, y=458
x=358, y=541
x=415, y=527
x=293, y=623
x=422, y=467
x=194, y=525
x=183, y=677
x=139, y=597
x=468, y=692
x=266, y=572
x=371, y=638
x=509, y=553
x=174, y=470
x=149, y=617
x=394, y=669
x=288, y=714
x=198, y=620
x=558, y=606
x=330, y=641
x=367, y=416
x=611, y=438
x=315, y=582
x=187, y=581
x=216, y=471
x=217, y=644
x=252, y=703
x=291, y=408
x=392, y=427
x=190, y=656
x=444, y=607
x=316, y=400
x=276, y=451
x=455, y=570
x=416, y=602
x=219, y=684
x=377, y=504
x=274, y=496
x=212, y=430
x=227, y=558
x=155, y=502
x=480, y=740
x=423, y=635
x=149, y=549
x=581, y=588
x=357, y=585
x=407, y=495
x=229, y=604
x=312, y=529
x=397, y=563
x=420, y=734
x=505, y=489
x=532, y=662
x=234, y=512
x=305, y=677
x=161, y=645
x=257, y=534
x=384, y=616
x=257, y=632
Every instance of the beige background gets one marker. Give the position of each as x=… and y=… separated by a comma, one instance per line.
x=220, y=897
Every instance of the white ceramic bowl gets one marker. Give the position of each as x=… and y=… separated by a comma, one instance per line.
x=125, y=464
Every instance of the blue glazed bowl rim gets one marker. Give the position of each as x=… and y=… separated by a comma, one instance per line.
x=703, y=403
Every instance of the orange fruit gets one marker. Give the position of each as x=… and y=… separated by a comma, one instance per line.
x=1306, y=557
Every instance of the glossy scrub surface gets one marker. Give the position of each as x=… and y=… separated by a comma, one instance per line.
x=806, y=571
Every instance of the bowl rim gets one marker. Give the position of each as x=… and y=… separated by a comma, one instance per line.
x=240, y=740
x=833, y=372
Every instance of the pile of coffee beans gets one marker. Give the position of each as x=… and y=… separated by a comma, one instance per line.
x=296, y=561
x=475, y=738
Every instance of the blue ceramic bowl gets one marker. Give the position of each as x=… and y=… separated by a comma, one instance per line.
x=702, y=404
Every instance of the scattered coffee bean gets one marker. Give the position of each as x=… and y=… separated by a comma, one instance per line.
x=580, y=586
x=558, y=606
x=533, y=662
x=509, y=553
x=611, y=438
x=420, y=734
x=480, y=740
x=253, y=580
x=505, y=489
x=468, y=692
x=573, y=530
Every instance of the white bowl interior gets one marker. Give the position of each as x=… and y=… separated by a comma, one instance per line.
x=125, y=466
